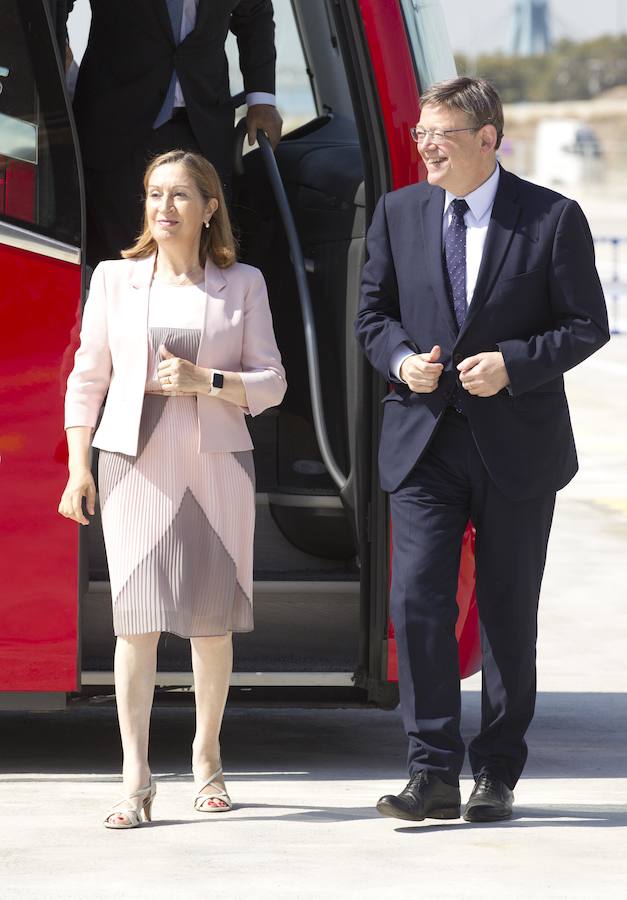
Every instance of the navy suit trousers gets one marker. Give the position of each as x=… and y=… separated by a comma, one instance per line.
x=430, y=510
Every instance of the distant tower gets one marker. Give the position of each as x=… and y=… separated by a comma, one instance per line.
x=530, y=33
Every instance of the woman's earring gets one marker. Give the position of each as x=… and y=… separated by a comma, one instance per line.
x=207, y=223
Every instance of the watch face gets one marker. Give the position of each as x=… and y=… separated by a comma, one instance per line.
x=218, y=380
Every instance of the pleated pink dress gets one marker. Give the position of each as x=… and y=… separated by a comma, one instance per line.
x=178, y=524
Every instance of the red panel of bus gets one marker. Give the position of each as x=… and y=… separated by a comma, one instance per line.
x=39, y=561
x=400, y=104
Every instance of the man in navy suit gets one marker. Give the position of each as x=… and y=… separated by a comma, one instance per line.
x=479, y=293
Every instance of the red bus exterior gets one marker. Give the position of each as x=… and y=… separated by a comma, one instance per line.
x=41, y=297
x=393, y=68
x=39, y=558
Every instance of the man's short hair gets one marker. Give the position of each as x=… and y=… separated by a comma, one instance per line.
x=474, y=96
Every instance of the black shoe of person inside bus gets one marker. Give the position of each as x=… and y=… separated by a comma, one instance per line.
x=490, y=801
x=425, y=797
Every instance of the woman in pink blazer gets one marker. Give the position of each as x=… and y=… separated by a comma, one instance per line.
x=178, y=337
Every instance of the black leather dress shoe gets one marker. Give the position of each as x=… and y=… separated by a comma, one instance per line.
x=490, y=801
x=425, y=797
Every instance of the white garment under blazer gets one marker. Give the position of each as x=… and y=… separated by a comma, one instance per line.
x=112, y=359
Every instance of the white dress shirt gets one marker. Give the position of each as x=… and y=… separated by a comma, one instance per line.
x=476, y=219
x=188, y=22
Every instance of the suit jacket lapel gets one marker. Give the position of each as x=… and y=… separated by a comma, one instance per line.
x=202, y=13
x=505, y=213
x=432, y=213
x=215, y=282
x=141, y=275
x=136, y=313
x=159, y=9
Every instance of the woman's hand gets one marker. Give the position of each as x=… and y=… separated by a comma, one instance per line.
x=80, y=484
x=183, y=377
x=180, y=375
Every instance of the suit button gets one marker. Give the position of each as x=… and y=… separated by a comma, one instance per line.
x=457, y=358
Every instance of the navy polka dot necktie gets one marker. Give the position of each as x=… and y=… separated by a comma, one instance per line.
x=455, y=259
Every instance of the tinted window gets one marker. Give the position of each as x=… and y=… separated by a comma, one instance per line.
x=38, y=172
x=428, y=38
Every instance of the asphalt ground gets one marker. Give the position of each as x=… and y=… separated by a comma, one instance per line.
x=305, y=780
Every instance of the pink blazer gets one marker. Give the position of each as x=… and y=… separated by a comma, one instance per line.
x=113, y=355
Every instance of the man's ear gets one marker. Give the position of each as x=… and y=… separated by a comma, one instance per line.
x=488, y=137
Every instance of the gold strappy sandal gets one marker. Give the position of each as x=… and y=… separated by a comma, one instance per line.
x=131, y=808
x=200, y=800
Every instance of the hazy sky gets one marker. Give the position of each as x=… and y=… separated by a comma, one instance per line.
x=474, y=25
x=485, y=25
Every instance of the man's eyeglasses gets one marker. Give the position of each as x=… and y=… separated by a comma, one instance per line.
x=435, y=135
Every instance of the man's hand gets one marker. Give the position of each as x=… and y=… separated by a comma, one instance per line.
x=422, y=371
x=484, y=374
x=266, y=117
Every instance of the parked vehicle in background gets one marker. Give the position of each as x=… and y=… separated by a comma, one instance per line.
x=567, y=152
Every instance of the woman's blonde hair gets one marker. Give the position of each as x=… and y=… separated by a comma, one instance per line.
x=217, y=241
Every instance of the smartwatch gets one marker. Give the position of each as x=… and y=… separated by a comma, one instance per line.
x=217, y=383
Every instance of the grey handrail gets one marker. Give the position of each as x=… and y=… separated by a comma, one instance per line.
x=311, y=341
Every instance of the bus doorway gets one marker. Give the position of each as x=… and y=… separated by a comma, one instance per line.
x=322, y=560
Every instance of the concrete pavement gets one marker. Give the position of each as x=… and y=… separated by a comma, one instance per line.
x=305, y=780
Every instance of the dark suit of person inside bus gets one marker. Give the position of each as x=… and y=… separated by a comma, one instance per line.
x=154, y=77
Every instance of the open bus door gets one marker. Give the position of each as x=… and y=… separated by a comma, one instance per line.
x=367, y=61
x=40, y=292
x=405, y=50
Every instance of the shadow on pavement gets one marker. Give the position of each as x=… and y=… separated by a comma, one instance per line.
x=581, y=735
x=547, y=816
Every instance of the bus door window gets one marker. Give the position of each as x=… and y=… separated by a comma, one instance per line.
x=429, y=42
x=294, y=96
x=38, y=182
